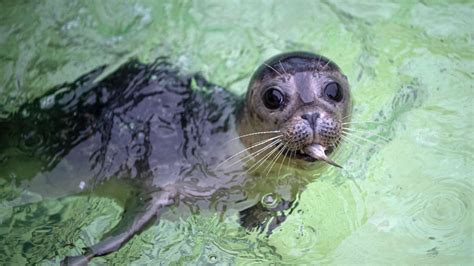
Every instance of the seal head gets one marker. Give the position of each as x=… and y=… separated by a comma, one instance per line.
x=304, y=99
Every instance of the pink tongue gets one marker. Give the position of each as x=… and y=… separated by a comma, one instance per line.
x=317, y=152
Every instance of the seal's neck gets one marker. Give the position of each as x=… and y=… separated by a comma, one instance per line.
x=244, y=125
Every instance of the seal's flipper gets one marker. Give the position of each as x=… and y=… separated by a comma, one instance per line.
x=126, y=229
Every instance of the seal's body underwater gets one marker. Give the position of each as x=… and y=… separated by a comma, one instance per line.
x=179, y=139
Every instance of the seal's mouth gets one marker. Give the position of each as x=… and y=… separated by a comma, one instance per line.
x=299, y=155
x=312, y=153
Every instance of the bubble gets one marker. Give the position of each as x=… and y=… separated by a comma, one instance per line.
x=270, y=200
x=212, y=258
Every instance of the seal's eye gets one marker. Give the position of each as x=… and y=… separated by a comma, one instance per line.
x=333, y=91
x=273, y=98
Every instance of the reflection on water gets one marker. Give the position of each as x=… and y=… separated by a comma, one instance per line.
x=404, y=195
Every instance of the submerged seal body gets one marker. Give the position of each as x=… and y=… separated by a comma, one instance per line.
x=178, y=138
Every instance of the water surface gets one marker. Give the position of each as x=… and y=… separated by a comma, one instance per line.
x=404, y=196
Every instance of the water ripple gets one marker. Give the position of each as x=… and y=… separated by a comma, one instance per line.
x=303, y=241
x=441, y=212
x=198, y=240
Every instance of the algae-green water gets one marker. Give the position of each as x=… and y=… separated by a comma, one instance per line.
x=405, y=195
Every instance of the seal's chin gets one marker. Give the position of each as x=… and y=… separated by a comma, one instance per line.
x=298, y=155
x=305, y=157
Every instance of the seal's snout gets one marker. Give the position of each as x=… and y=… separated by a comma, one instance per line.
x=312, y=118
x=329, y=132
x=310, y=128
x=312, y=135
x=297, y=134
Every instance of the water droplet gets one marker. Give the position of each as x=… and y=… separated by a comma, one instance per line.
x=212, y=258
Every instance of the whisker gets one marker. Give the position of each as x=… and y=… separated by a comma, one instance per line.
x=251, y=147
x=327, y=64
x=292, y=154
x=256, y=153
x=273, y=69
x=252, y=134
x=283, y=161
x=257, y=164
x=361, y=138
x=280, y=152
x=282, y=67
x=249, y=156
x=350, y=141
x=346, y=116
x=261, y=161
x=268, y=166
x=351, y=130
x=361, y=122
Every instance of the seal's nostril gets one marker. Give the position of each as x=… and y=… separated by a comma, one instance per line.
x=311, y=118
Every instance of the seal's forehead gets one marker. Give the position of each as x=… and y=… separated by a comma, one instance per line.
x=293, y=62
x=304, y=86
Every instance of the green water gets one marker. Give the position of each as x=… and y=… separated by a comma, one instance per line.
x=404, y=196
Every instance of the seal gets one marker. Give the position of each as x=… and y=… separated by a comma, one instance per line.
x=301, y=96
x=172, y=139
